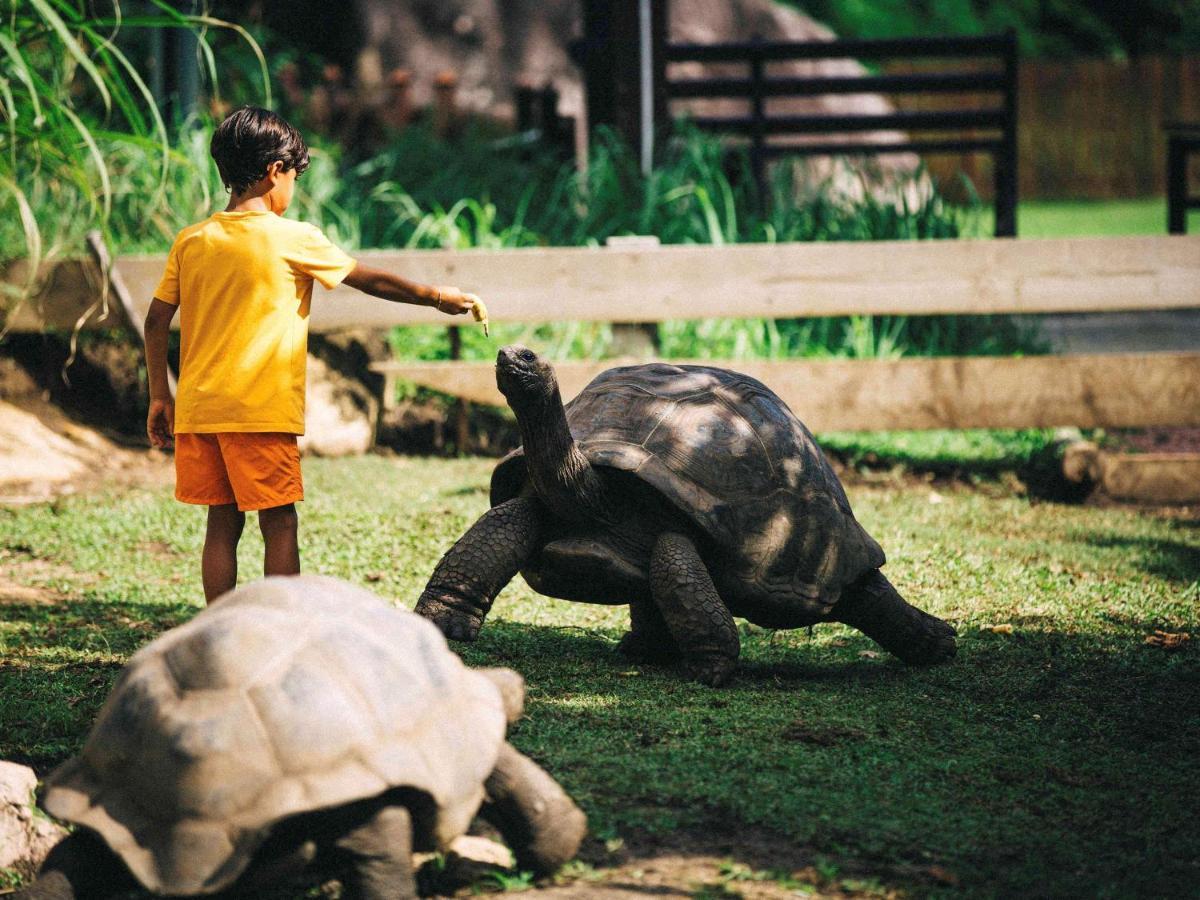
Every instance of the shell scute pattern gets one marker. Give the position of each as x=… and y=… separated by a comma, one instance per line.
x=243, y=717
x=726, y=451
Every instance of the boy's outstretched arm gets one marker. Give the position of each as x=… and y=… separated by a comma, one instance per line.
x=387, y=286
x=160, y=421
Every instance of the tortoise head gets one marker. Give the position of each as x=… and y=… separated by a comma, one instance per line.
x=524, y=378
x=512, y=690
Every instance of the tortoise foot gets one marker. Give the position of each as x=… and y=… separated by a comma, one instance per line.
x=712, y=669
x=452, y=617
x=639, y=647
x=930, y=641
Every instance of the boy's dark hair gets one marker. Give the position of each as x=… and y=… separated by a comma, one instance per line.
x=249, y=140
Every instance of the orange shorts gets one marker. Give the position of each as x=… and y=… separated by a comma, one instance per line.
x=252, y=469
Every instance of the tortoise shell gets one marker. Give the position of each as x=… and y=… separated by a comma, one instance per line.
x=724, y=450
x=285, y=696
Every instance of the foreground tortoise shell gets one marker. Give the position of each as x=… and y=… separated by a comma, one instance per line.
x=725, y=451
x=287, y=696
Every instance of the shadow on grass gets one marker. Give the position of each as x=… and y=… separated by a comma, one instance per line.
x=1044, y=762
x=61, y=662
x=1173, y=560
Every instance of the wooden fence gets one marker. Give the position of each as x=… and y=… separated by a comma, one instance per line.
x=991, y=122
x=1087, y=128
x=793, y=280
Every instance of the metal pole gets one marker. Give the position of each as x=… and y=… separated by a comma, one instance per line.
x=646, y=68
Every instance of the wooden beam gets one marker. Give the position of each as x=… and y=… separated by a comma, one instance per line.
x=969, y=277
x=1092, y=391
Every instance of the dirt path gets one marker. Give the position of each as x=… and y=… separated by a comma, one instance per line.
x=711, y=863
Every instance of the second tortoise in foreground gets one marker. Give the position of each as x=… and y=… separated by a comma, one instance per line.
x=297, y=724
x=691, y=493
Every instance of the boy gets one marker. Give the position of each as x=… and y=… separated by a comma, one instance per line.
x=242, y=280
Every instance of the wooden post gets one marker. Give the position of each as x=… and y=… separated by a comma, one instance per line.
x=611, y=58
x=1005, y=168
x=462, y=424
x=445, y=103
x=1177, y=184
x=397, y=105
x=524, y=102
x=758, y=120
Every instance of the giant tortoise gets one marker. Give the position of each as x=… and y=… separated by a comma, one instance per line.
x=691, y=493
x=295, y=724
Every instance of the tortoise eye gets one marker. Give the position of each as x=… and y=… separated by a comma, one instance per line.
x=527, y=355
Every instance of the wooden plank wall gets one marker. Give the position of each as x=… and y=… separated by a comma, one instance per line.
x=793, y=280
x=747, y=280
x=1087, y=128
x=1088, y=391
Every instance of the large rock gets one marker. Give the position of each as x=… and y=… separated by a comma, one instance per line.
x=495, y=44
x=339, y=418
x=26, y=835
x=342, y=402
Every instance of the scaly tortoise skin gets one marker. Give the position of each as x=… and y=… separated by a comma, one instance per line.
x=293, y=720
x=693, y=494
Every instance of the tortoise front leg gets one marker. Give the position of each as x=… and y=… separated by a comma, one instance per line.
x=693, y=610
x=541, y=825
x=875, y=607
x=380, y=851
x=80, y=867
x=471, y=574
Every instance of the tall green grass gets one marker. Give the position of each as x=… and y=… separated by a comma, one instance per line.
x=421, y=192
x=82, y=142
x=480, y=190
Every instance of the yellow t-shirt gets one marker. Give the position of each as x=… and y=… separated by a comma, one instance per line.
x=243, y=282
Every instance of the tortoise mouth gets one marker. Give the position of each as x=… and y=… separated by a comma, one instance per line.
x=522, y=375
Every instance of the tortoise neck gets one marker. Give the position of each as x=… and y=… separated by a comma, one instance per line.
x=561, y=475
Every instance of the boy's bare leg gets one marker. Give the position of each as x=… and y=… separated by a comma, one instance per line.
x=279, y=526
x=218, y=565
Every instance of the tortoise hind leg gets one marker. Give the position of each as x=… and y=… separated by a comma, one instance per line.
x=79, y=867
x=380, y=851
x=693, y=610
x=875, y=607
x=648, y=639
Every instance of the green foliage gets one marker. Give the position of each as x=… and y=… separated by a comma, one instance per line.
x=1111, y=28
x=973, y=451
x=1018, y=768
x=82, y=142
x=411, y=195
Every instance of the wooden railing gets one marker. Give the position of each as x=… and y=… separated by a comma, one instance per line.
x=800, y=280
x=999, y=118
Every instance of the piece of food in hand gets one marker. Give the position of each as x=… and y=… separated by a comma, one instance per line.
x=479, y=311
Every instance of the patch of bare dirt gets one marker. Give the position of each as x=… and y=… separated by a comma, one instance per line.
x=717, y=862
x=27, y=580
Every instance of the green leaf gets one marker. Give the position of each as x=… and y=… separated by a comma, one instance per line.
x=74, y=48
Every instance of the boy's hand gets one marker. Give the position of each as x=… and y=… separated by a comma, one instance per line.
x=454, y=302
x=160, y=423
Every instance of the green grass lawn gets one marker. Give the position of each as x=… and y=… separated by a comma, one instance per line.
x=1088, y=218
x=1057, y=758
